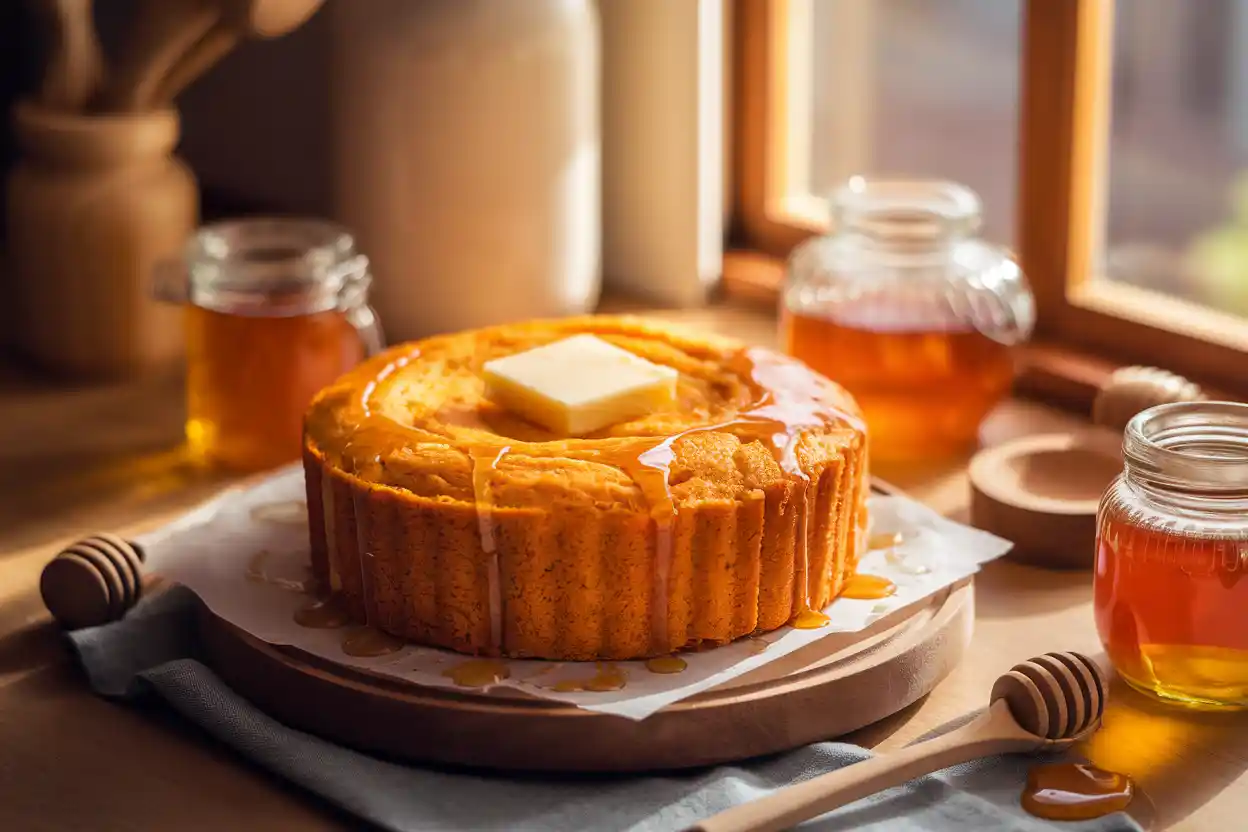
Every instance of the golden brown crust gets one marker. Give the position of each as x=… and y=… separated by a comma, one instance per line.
x=485, y=535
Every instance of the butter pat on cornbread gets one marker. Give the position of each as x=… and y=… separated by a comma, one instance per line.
x=579, y=385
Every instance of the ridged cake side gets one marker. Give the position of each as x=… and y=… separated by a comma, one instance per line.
x=439, y=517
x=578, y=583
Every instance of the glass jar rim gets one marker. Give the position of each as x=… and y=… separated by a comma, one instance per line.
x=1189, y=446
x=914, y=210
x=270, y=266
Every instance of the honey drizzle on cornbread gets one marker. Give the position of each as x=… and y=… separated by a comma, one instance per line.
x=808, y=619
x=484, y=461
x=789, y=399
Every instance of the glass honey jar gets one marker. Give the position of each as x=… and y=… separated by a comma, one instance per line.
x=909, y=310
x=1171, y=601
x=276, y=310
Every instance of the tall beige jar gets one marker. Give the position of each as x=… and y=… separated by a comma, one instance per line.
x=467, y=157
x=93, y=205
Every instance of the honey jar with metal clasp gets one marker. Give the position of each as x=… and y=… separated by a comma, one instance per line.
x=276, y=310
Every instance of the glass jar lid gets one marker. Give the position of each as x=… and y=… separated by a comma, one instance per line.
x=273, y=267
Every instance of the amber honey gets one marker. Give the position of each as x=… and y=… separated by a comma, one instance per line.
x=251, y=377
x=1074, y=791
x=1172, y=609
x=1171, y=551
x=478, y=673
x=923, y=393
x=862, y=587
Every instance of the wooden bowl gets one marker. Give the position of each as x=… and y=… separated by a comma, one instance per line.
x=1042, y=492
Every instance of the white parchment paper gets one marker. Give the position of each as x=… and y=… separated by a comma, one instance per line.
x=246, y=555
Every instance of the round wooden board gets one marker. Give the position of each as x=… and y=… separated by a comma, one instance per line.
x=837, y=685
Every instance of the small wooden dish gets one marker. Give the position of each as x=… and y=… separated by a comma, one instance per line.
x=1042, y=492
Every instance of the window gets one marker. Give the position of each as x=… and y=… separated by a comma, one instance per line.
x=1108, y=140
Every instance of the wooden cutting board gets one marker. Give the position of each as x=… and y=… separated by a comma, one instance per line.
x=836, y=685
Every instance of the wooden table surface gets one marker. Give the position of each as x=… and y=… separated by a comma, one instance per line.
x=77, y=462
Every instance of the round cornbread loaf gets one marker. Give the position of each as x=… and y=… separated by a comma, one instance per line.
x=439, y=517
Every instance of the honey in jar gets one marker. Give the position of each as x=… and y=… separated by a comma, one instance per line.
x=276, y=311
x=909, y=311
x=1171, y=554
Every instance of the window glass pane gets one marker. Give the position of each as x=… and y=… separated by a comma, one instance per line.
x=1177, y=201
x=925, y=88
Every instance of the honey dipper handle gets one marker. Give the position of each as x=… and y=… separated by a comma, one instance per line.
x=995, y=732
x=1130, y=390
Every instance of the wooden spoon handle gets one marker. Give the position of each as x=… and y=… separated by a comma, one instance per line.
x=75, y=63
x=995, y=732
x=210, y=49
x=160, y=41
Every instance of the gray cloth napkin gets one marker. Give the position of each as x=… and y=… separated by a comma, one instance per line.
x=154, y=649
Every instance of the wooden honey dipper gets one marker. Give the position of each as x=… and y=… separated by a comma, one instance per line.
x=1049, y=702
x=95, y=581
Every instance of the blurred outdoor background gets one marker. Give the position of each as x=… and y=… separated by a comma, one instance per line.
x=932, y=89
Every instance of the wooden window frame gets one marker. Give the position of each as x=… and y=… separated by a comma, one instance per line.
x=1085, y=327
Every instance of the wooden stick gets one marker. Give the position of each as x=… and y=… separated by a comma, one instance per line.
x=75, y=64
x=995, y=732
x=205, y=54
x=165, y=32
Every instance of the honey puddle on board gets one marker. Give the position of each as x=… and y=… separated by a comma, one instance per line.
x=366, y=643
x=666, y=664
x=325, y=614
x=607, y=678
x=1074, y=791
x=868, y=588
x=258, y=572
x=859, y=587
x=477, y=673
x=809, y=620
